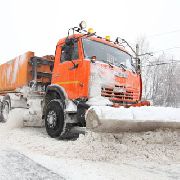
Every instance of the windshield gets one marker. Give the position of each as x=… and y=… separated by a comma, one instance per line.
x=107, y=54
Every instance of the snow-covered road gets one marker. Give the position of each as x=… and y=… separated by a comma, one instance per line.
x=145, y=155
x=16, y=166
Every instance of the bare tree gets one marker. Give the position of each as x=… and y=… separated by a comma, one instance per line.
x=160, y=80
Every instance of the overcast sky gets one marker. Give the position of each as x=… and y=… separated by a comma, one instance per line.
x=37, y=25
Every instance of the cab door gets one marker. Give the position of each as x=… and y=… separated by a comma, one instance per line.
x=68, y=68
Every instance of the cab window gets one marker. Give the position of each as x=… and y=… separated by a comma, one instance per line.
x=69, y=52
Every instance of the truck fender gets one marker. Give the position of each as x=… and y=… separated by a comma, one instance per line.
x=58, y=89
x=51, y=91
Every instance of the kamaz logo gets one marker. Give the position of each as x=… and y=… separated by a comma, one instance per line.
x=121, y=74
x=119, y=89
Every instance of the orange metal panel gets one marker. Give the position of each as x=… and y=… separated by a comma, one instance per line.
x=14, y=73
x=74, y=81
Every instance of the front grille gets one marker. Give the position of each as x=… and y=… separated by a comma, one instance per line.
x=122, y=95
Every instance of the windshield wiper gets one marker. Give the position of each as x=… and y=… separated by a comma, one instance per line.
x=107, y=63
x=123, y=66
x=110, y=64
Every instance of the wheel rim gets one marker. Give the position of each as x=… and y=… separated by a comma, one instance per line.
x=51, y=119
x=5, y=111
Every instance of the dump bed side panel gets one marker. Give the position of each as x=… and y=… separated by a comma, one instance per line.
x=15, y=73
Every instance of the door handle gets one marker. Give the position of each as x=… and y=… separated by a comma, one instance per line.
x=74, y=66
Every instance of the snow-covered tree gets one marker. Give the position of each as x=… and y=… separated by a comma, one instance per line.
x=160, y=76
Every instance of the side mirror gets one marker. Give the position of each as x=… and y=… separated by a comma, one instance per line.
x=82, y=25
x=93, y=59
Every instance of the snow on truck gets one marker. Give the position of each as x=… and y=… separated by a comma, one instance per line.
x=90, y=83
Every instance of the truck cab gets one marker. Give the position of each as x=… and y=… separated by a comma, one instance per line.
x=74, y=66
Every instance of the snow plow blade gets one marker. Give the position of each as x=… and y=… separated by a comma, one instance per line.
x=135, y=119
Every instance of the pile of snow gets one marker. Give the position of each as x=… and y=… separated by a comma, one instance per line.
x=161, y=145
x=118, y=153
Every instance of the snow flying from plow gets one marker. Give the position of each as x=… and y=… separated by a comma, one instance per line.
x=114, y=120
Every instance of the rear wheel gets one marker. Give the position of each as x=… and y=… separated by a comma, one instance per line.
x=54, y=118
x=1, y=111
x=5, y=111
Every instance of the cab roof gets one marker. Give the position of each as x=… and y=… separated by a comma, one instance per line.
x=94, y=38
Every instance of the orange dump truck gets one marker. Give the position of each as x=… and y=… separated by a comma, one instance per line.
x=73, y=90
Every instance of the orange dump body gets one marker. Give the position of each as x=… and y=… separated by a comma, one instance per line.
x=18, y=73
x=14, y=74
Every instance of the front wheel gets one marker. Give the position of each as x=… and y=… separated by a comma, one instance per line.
x=54, y=118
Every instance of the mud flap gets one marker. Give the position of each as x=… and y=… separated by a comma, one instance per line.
x=32, y=120
x=32, y=117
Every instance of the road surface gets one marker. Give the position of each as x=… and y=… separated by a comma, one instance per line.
x=16, y=166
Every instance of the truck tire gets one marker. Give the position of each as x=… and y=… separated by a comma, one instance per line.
x=54, y=118
x=1, y=117
x=5, y=111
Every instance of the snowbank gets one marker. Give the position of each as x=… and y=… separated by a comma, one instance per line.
x=147, y=155
x=159, y=145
